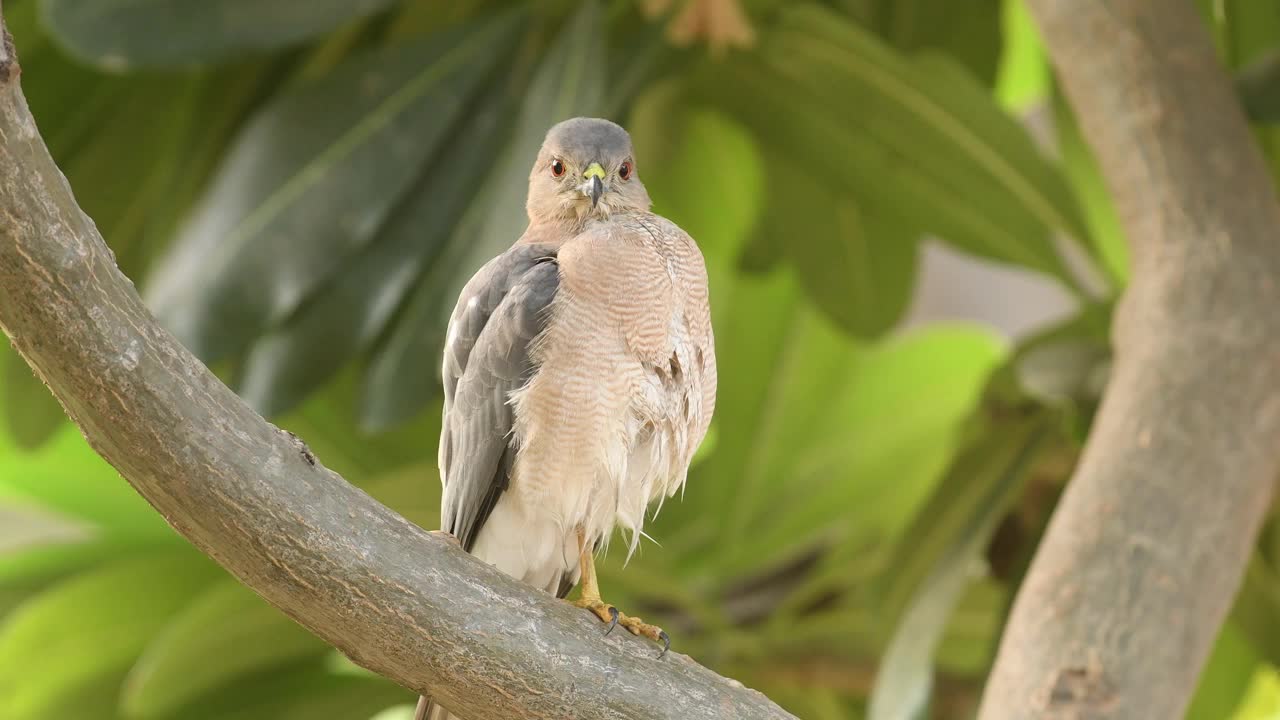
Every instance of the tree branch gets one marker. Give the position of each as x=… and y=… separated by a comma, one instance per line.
x=397, y=600
x=1140, y=563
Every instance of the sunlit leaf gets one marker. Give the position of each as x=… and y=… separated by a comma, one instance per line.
x=568, y=82
x=309, y=182
x=186, y=659
x=1226, y=676
x=121, y=34
x=89, y=626
x=1023, y=80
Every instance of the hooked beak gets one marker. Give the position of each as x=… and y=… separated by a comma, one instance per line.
x=593, y=185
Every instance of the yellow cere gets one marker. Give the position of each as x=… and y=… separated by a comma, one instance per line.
x=593, y=170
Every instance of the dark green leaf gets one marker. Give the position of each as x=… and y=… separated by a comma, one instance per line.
x=121, y=34
x=89, y=626
x=1259, y=88
x=970, y=32
x=568, y=82
x=918, y=140
x=858, y=268
x=325, y=333
x=31, y=413
x=226, y=633
x=309, y=182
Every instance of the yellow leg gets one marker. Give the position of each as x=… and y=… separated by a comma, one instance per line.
x=591, y=600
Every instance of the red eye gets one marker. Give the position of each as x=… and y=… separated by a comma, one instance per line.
x=625, y=171
x=557, y=168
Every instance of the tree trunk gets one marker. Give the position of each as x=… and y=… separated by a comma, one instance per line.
x=1147, y=548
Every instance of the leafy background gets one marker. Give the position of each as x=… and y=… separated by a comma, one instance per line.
x=913, y=261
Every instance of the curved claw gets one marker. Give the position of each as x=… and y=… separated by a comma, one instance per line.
x=613, y=622
x=666, y=643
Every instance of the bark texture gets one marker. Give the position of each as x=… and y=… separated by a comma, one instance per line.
x=1147, y=548
x=402, y=602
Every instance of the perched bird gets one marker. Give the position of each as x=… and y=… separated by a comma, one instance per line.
x=579, y=375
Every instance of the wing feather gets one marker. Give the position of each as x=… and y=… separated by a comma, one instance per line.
x=488, y=356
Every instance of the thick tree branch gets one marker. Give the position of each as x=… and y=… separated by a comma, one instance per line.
x=402, y=602
x=1144, y=554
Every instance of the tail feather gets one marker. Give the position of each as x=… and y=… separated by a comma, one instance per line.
x=428, y=710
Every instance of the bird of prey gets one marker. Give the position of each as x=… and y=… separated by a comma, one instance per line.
x=579, y=375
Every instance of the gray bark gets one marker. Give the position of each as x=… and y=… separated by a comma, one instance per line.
x=1146, y=550
x=397, y=600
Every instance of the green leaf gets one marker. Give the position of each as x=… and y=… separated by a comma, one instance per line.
x=1259, y=88
x=700, y=166
x=226, y=633
x=857, y=267
x=67, y=476
x=1024, y=76
x=1257, y=606
x=1226, y=677
x=311, y=179
x=54, y=559
x=122, y=34
x=1106, y=236
x=969, y=32
x=977, y=491
x=835, y=453
x=568, y=81
x=330, y=329
x=31, y=413
x=89, y=626
x=918, y=140
x=400, y=712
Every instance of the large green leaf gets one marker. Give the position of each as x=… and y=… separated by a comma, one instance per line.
x=311, y=179
x=284, y=366
x=226, y=633
x=857, y=267
x=568, y=81
x=970, y=32
x=919, y=140
x=121, y=34
x=90, y=626
x=860, y=439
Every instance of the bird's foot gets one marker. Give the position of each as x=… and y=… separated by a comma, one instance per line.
x=610, y=614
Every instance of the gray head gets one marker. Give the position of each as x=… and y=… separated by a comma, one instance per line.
x=586, y=168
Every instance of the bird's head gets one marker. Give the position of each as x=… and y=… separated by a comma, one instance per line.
x=586, y=168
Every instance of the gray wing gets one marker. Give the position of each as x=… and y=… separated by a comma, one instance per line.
x=500, y=312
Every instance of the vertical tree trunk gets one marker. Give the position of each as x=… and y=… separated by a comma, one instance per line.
x=1141, y=561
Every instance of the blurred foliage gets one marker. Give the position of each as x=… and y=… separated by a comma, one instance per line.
x=300, y=189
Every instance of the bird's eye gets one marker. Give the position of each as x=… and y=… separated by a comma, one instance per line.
x=625, y=171
x=557, y=168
